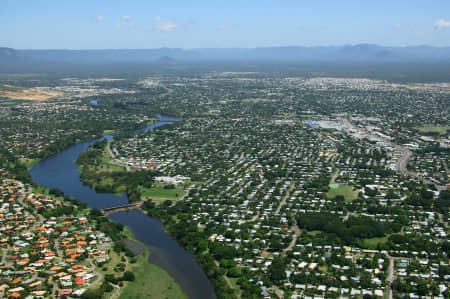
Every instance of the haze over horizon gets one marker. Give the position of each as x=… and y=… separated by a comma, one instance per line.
x=227, y=48
x=213, y=24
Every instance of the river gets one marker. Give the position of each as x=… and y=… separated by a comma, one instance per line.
x=60, y=171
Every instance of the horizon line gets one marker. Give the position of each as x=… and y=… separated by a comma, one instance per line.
x=225, y=48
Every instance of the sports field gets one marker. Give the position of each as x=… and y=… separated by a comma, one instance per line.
x=344, y=190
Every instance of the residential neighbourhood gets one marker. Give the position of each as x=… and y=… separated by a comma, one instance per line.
x=281, y=187
x=225, y=149
x=49, y=246
x=45, y=257
x=266, y=175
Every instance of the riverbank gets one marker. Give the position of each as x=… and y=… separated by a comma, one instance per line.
x=189, y=236
x=166, y=252
x=61, y=172
x=98, y=173
x=28, y=162
x=150, y=281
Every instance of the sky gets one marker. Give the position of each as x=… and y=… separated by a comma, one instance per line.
x=143, y=24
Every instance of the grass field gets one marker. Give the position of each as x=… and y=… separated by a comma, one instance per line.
x=114, y=259
x=151, y=282
x=236, y=287
x=129, y=235
x=373, y=242
x=442, y=130
x=27, y=162
x=105, y=161
x=109, y=132
x=344, y=190
x=105, y=167
x=313, y=233
x=40, y=189
x=158, y=192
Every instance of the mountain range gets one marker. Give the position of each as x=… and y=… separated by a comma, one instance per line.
x=350, y=53
x=400, y=64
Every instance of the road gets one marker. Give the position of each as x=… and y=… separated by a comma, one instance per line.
x=348, y=123
x=116, y=292
x=294, y=239
x=390, y=278
x=403, y=162
x=4, y=255
x=98, y=275
x=334, y=176
x=255, y=217
x=280, y=293
x=347, y=216
x=55, y=288
x=391, y=275
x=227, y=280
x=108, y=149
x=59, y=252
x=114, y=161
x=283, y=201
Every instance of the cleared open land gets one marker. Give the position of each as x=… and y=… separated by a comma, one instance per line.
x=31, y=94
x=256, y=100
x=105, y=79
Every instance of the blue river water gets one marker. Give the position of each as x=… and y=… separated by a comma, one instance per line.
x=60, y=171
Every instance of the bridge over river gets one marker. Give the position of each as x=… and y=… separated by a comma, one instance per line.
x=122, y=208
x=60, y=171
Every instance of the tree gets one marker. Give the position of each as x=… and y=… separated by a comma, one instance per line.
x=56, y=192
x=427, y=195
x=235, y=272
x=277, y=269
x=339, y=198
x=128, y=276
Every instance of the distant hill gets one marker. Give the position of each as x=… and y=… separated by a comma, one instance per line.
x=108, y=56
x=10, y=56
x=166, y=60
x=12, y=60
x=400, y=64
x=8, y=53
x=362, y=52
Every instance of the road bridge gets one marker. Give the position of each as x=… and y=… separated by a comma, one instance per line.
x=122, y=208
